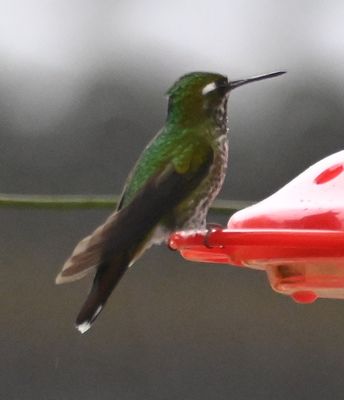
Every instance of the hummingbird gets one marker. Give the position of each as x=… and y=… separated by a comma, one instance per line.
x=171, y=187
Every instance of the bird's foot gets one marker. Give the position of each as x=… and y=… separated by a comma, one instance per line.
x=211, y=227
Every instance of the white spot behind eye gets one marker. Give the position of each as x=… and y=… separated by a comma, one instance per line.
x=209, y=88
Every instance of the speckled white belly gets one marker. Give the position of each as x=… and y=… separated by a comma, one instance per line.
x=210, y=186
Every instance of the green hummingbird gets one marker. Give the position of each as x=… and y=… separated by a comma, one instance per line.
x=171, y=187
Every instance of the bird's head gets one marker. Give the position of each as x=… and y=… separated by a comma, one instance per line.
x=203, y=94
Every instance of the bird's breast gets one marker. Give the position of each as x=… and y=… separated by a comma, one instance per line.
x=195, y=208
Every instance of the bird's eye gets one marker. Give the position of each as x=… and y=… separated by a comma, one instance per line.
x=209, y=88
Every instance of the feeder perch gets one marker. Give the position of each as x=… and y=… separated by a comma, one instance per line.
x=296, y=235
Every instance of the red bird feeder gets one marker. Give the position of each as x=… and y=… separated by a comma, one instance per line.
x=296, y=235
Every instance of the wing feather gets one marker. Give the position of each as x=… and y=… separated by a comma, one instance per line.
x=126, y=230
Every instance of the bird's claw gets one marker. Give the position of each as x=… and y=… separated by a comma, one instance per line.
x=211, y=227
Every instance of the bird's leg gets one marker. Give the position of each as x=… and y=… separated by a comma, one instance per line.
x=211, y=227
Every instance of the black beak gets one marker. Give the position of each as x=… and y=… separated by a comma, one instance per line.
x=234, y=84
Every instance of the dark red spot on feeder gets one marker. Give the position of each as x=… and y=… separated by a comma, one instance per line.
x=329, y=174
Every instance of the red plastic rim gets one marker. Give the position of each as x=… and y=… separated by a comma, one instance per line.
x=262, y=237
x=238, y=246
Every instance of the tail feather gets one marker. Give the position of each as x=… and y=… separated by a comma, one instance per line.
x=107, y=276
x=87, y=254
x=110, y=250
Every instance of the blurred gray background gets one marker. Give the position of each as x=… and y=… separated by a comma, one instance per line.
x=82, y=86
